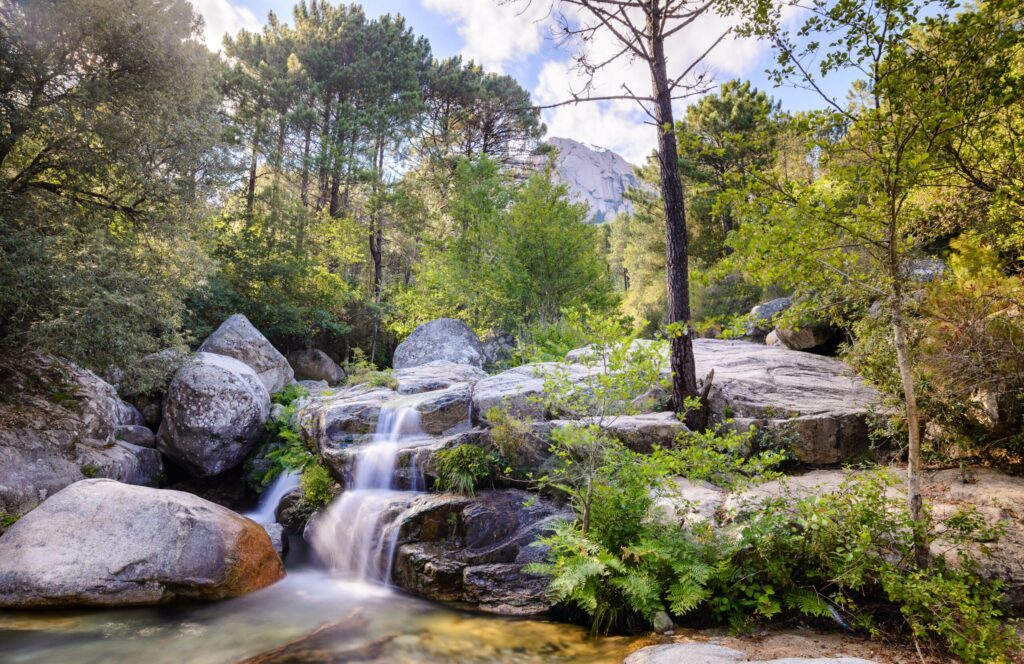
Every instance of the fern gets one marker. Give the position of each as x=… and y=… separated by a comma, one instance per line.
x=808, y=602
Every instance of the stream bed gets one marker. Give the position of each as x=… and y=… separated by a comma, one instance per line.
x=408, y=630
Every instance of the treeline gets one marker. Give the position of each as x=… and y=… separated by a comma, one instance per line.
x=894, y=213
x=327, y=177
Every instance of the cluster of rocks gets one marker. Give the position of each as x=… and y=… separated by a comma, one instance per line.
x=763, y=325
x=106, y=542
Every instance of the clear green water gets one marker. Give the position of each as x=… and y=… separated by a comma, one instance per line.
x=233, y=630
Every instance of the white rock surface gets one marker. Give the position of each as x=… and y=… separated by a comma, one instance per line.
x=595, y=176
x=709, y=653
x=236, y=337
x=103, y=543
x=213, y=414
x=440, y=339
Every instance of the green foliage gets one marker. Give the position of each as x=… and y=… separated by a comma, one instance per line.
x=283, y=448
x=462, y=468
x=108, y=158
x=8, y=520
x=317, y=485
x=90, y=469
x=361, y=371
x=518, y=253
x=287, y=395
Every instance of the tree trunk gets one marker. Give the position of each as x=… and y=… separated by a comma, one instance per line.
x=684, y=375
x=915, y=501
x=250, y=191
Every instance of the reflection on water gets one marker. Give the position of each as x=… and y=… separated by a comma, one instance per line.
x=236, y=629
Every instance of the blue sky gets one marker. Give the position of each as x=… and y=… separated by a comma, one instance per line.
x=516, y=39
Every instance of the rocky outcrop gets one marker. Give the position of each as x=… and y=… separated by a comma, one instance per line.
x=58, y=425
x=806, y=337
x=710, y=653
x=640, y=433
x=436, y=375
x=816, y=405
x=595, y=176
x=236, y=337
x=441, y=339
x=314, y=364
x=457, y=549
x=517, y=390
x=103, y=543
x=213, y=414
x=761, y=319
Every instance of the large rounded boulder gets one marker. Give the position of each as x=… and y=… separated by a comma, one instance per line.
x=314, y=364
x=213, y=414
x=59, y=424
x=238, y=338
x=103, y=543
x=441, y=339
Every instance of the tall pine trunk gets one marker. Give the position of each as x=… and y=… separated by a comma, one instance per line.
x=684, y=376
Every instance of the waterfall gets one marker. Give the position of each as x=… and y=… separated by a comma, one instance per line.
x=272, y=495
x=355, y=537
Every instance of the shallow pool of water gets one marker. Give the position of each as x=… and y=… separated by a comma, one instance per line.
x=405, y=630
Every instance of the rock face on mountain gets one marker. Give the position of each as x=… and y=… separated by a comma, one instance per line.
x=594, y=176
x=103, y=543
x=59, y=424
x=213, y=414
x=236, y=337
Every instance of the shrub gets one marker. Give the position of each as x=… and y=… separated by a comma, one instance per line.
x=283, y=448
x=317, y=485
x=289, y=394
x=461, y=468
x=361, y=371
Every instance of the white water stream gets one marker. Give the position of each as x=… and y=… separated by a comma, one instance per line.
x=356, y=536
x=272, y=495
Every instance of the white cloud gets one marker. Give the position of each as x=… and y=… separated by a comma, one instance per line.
x=622, y=125
x=224, y=16
x=495, y=32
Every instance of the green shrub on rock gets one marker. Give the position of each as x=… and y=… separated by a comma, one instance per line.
x=462, y=468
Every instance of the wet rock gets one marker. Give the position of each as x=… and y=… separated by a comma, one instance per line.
x=662, y=623
x=709, y=653
x=278, y=537
x=213, y=414
x=472, y=550
x=442, y=410
x=437, y=375
x=57, y=426
x=314, y=364
x=440, y=339
x=103, y=543
x=293, y=512
x=343, y=414
x=236, y=337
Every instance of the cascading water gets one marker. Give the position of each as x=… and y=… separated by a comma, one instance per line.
x=272, y=495
x=354, y=537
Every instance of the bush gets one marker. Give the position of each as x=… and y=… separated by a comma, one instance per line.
x=289, y=394
x=283, y=446
x=317, y=485
x=462, y=468
x=361, y=371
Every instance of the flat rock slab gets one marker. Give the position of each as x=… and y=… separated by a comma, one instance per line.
x=709, y=653
x=518, y=390
x=436, y=375
x=103, y=543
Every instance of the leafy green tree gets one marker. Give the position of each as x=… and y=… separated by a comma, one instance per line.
x=110, y=149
